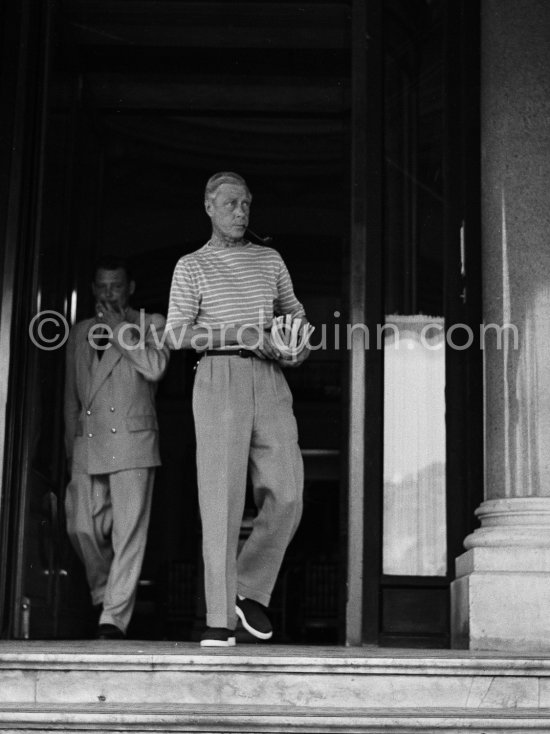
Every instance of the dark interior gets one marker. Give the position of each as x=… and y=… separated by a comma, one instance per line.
x=165, y=101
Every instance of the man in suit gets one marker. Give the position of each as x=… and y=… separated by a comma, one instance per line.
x=113, y=363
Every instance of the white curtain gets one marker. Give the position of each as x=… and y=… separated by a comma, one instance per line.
x=414, y=530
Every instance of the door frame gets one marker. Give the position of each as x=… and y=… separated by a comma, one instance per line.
x=365, y=372
x=22, y=77
x=33, y=31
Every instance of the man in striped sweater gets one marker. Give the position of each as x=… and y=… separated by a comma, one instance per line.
x=223, y=299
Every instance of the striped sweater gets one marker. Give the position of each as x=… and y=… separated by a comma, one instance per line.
x=245, y=284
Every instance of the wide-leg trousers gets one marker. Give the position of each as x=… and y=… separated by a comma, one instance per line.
x=244, y=424
x=107, y=522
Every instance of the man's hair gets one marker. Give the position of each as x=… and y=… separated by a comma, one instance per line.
x=113, y=262
x=215, y=181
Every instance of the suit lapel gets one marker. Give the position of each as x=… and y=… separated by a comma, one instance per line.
x=100, y=370
x=97, y=371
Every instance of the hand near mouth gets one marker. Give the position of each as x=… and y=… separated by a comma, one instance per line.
x=110, y=313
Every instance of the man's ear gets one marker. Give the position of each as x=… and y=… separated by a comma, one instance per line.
x=208, y=207
x=131, y=287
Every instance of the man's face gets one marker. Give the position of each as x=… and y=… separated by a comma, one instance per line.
x=113, y=286
x=229, y=211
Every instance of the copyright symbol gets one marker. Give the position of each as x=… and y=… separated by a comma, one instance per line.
x=48, y=330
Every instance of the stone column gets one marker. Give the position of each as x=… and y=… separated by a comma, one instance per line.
x=501, y=598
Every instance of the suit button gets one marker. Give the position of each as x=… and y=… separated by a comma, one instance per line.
x=113, y=430
x=112, y=409
x=90, y=435
x=88, y=412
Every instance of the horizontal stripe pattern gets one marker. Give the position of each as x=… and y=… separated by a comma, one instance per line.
x=247, y=284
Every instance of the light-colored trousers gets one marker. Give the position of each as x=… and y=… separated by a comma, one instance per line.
x=244, y=423
x=107, y=522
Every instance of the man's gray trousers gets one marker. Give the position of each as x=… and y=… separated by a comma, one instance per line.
x=244, y=423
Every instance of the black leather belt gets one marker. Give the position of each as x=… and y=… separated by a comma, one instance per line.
x=244, y=353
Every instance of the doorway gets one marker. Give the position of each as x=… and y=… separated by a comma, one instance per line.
x=129, y=137
x=323, y=108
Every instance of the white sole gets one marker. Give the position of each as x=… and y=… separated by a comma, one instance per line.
x=230, y=642
x=248, y=628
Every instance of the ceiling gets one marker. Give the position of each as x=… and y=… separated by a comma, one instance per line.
x=194, y=58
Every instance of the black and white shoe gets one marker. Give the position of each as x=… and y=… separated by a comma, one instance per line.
x=217, y=637
x=254, y=618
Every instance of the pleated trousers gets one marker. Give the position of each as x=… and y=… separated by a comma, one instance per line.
x=244, y=424
x=107, y=522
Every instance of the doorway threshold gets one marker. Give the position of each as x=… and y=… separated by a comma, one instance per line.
x=366, y=658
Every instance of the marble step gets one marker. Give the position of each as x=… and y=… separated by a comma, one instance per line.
x=267, y=720
x=356, y=678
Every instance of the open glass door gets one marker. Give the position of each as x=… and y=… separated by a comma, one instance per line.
x=59, y=182
x=429, y=470
x=414, y=527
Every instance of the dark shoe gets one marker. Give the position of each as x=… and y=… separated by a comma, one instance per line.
x=109, y=632
x=254, y=618
x=217, y=637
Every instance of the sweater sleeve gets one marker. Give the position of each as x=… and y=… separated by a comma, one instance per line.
x=286, y=302
x=184, y=301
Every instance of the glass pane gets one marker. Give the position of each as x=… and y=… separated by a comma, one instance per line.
x=414, y=447
x=414, y=521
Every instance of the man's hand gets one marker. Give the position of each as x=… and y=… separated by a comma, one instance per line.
x=259, y=341
x=109, y=314
x=295, y=361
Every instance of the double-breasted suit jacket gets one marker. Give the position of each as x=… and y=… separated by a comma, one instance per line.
x=110, y=417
